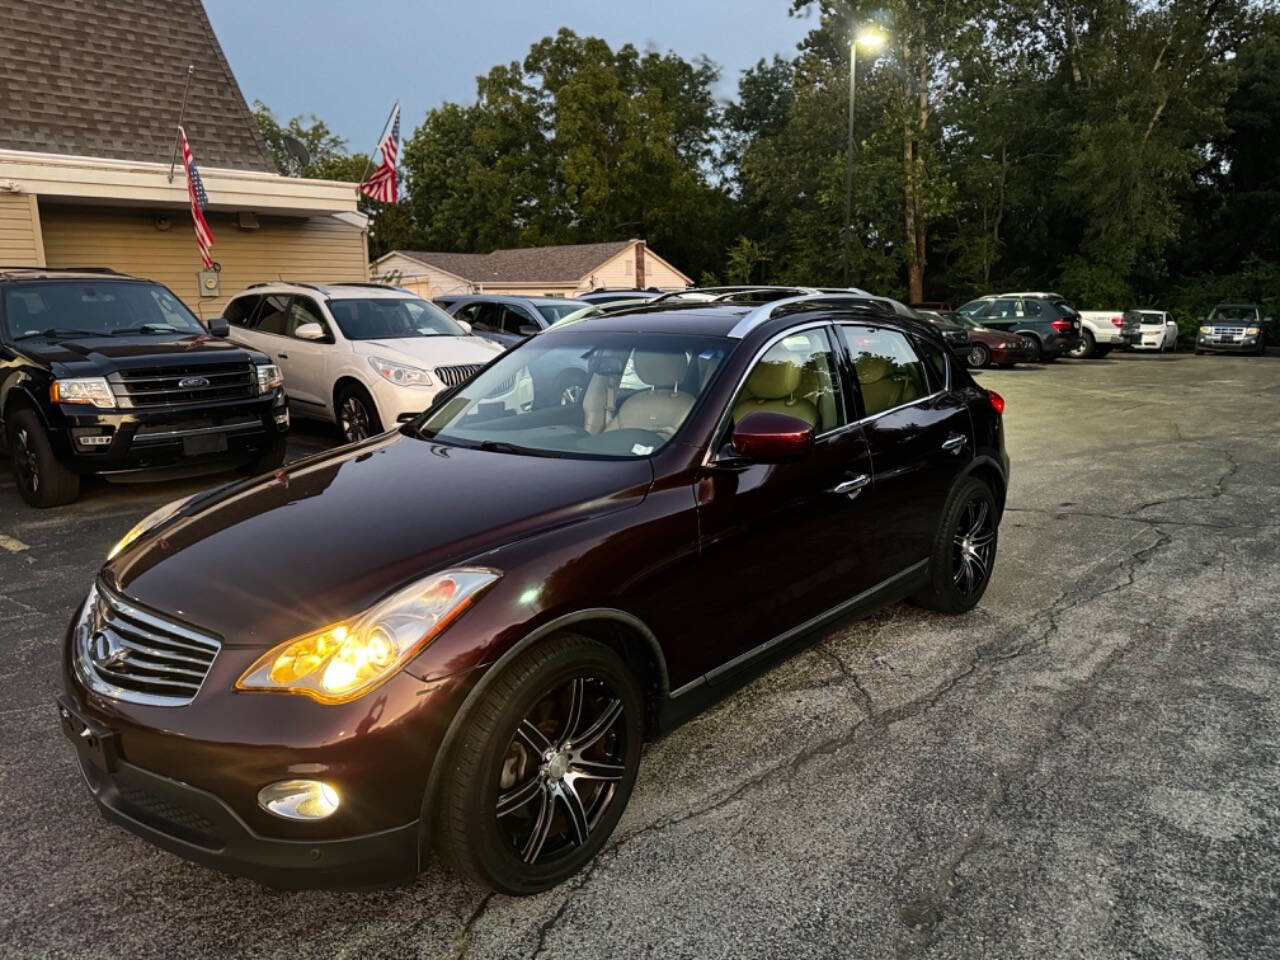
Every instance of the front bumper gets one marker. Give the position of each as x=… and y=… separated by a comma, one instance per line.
x=1023, y=352
x=1214, y=345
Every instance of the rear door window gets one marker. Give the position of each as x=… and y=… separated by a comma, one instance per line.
x=1003, y=309
x=273, y=317
x=890, y=374
x=936, y=361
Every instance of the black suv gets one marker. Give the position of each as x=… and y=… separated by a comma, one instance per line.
x=104, y=373
x=1046, y=318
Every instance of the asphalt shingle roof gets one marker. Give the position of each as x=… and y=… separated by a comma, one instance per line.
x=104, y=78
x=563, y=264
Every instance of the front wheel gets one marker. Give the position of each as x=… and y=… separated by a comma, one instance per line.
x=357, y=414
x=964, y=551
x=1084, y=349
x=42, y=480
x=979, y=356
x=540, y=777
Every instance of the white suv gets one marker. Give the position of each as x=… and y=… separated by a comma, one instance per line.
x=366, y=356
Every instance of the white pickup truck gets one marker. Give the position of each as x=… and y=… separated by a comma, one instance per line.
x=1104, y=330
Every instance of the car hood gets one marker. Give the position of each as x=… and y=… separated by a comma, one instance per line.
x=102, y=355
x=430, y=352
x=264, y=560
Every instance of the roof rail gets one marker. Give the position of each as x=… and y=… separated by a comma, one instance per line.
x=35, y=269
x=369, y=283
x=765, y=311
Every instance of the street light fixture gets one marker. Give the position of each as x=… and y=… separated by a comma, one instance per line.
x=871, y=39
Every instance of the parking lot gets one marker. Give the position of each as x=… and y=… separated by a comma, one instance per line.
x=1086, y=765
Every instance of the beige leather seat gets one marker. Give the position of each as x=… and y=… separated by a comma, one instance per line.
x=881, y=388
x=773, y=387
x=818, y=388
x=662, y=408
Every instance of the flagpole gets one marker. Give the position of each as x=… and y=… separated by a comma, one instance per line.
x=191, y=68
x=368, y=163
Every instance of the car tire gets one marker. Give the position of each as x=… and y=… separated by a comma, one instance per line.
x=1085, y=349
x=1041, y=356
x=979, y=356
x=517, y=742
x=964, y=550
x=269, y=459
x=357, y=414
x=42, y=480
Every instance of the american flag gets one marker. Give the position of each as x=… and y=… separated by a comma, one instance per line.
x=382, y=185
x=199, y=202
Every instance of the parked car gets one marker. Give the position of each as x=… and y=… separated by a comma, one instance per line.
x=102, y=373
x=508, y=320
x=602, y=295
x=989, y=346
x=1046, y=319
x=1233, y=328
x=1105, y=330
x=956, y=335
x=460, y=633
x=365, y=356
x=1157, y=330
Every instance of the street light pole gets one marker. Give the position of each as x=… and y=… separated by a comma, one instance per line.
x=848, y=160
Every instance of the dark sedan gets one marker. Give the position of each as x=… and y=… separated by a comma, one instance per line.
x=989, y=346
x=458, y=634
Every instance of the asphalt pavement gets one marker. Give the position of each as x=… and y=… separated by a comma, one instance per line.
x=1087, y=765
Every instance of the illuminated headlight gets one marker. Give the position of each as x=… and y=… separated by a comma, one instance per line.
x=1205, y=328
x=1252, y=331
x=269, y=377
x=347, y=660
x=401, y=374
x=149, y=522
x=299, y=799
x=92, y=391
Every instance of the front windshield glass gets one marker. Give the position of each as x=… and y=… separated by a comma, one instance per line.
x=582, y=393
x=972, y=308
x=94, y=308
x=391, y=318
x=1233, y=314
x=558, y=311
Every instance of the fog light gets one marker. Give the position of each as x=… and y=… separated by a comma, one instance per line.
x=299, y=799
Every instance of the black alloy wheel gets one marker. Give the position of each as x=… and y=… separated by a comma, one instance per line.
x=979, y=356
x=357, y=416
x=964, y=550
x=542, y=768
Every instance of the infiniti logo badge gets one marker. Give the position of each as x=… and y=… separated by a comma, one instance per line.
x=106, y=652
x=189, y=382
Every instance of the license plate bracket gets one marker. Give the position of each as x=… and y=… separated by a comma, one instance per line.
x=204, y=443
x=94, y=742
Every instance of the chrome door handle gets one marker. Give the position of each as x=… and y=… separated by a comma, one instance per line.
x=851, y=486
x=953, y=442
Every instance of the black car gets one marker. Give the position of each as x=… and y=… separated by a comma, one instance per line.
x=1046, y=318
x=1233, y=328
x=955, y=335
x=108, y=374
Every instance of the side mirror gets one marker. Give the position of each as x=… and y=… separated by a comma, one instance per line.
x=219, y=327
x=466, y=327
x=772, y=436
x=309, y=331
x=529, y=330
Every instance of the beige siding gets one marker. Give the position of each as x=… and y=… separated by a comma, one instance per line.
x=531, y=289
x=424, y=280
x=20, y=243
x=658, y=273
x=319, y=249
x=620, y=271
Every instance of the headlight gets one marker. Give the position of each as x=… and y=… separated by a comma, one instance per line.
x=1252, y=331
x=269, y=377
x=149, y=522
x=347, y=660
x=402, y=375
x=1205, y=328
x=94, y=391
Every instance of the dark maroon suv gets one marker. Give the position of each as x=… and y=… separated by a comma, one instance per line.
x=458, y=634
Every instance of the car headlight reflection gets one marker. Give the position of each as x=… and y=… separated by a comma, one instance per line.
x=149, y=522
x=347, y=660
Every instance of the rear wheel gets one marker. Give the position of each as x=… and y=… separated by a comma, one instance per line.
x=42, y=480
x=964, y=551
x=357, y=414
x=1041, y=356
x=979, y=356
x=1084, y=349
x=546, y=764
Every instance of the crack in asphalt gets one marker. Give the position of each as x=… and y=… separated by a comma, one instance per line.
x=463, y=941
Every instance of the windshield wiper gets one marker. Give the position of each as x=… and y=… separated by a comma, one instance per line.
x=501, y=446
x=146, y=328
x=55, y=332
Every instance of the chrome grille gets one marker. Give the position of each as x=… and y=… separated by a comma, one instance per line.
x=458, y=374
x=1228, y=331
x=173, y=385
x=127, y=653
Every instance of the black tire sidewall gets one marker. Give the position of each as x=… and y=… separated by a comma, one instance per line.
x=476, y=761
x=58, y=484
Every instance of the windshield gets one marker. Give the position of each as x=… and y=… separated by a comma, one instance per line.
x=388, y=318
x=582, y=393
x=1233, y=314
x=558, y=311
x=94, y=308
